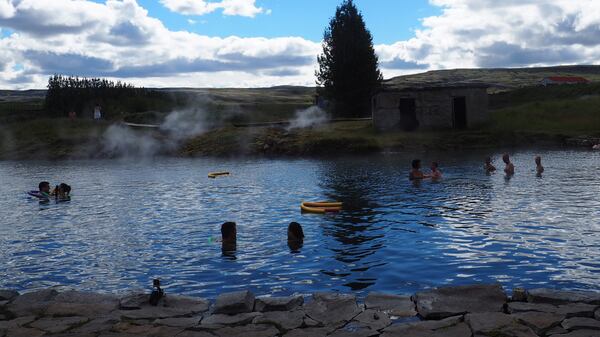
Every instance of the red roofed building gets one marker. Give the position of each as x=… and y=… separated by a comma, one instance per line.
x=557, y=80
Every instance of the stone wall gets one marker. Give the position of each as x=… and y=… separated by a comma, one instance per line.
x=433, y=107
x=461, y=311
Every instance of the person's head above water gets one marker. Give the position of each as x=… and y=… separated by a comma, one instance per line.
x=44, y=186
x=538, y=160
x=434, y=165
x=65, y=189
x=506, y=158
x=295, y=232
x=416, y=164
x=228, y=232
x=488, y=160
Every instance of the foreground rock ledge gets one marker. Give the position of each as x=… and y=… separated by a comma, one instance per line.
x=462, y=311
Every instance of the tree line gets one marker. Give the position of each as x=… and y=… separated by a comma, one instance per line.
x=81, y=94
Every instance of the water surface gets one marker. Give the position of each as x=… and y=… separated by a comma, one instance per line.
x=131, y=221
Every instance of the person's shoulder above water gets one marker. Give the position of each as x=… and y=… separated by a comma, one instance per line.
x=488, y=166
x=435, y=171
x=415, y=172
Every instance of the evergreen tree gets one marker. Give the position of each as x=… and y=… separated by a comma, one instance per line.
x=348, y=73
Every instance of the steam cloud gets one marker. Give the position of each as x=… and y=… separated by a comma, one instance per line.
x=312, y=116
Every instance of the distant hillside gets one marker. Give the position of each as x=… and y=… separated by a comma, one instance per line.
x=499, y=79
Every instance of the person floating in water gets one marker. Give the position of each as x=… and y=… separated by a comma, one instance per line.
x=435, y=172
x=488, y=166
x=228, y=237
x=43, y=192
x=539, y=169
x=510, y=168
x=295, y=236
x=62, y=192
x=415, y=173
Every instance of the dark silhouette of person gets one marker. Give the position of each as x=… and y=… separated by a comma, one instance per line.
x=295, y=236
x=228, y=238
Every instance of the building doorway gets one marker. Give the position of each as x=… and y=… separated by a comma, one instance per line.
x=459, y=113
x=408, y=114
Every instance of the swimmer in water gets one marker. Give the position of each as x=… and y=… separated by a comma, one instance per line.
x=435, y=172
x=415, y=172
x=539, y=169
x=488, y=166
x=510, y=168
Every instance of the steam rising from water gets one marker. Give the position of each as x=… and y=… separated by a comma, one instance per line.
x=312, y=116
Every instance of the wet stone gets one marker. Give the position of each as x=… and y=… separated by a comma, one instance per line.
x=283, y=320
x=264, y=304
x=17, y=322
x=451, y=301
x=236, y=302
x=539, y=322
x=218, y=320
x=580, y=323
x=181, y=322
x=8, y=295
x=33, y=303
x=169, y=306
x=395, y=305
x=332, y=308
x=59, y=324
x=75, y=303
x=308, y=332
x=374, y=320
x=248, y=331
x=542, y=295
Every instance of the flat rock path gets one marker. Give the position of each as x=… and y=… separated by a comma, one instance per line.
x=461, y=311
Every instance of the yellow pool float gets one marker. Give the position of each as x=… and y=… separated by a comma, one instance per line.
x=321, y=207
x=217, y=174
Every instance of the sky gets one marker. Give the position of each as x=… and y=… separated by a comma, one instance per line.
x=259, y=43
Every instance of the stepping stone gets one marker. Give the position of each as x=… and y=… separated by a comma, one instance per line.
x=374, y=320
x=219, y=320
x=358, y=333
x=332, y=308
x=263, y=304
x=580, y=323
x=33, y=303
x=283, y=320
x=236, y=302
x=248, y=331
x=8, y=295
x=543, y=295
x=394, y=305
x=458, y=330
x=169, y=306
x=58, y=324
x=452, y=301
x=539, y=322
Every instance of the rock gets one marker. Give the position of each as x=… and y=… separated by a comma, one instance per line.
x=556, y=297
x=263, y=304
x=308, y=332
x=147, y=330
x=190, y=333
x=182, y=322
x=597, y=314
x=394, y=305
x=96, y=326
x=579, y=333
x=421, y=327
x=567, y=310
x=58, y=324
x=556, y=331
x=283, y=320
x=8, y=295
x=350, y=331
x=75, y=303
x=486, y=323
x=451, y=301
x=134, y=301
x=374, y=320
x=519, y=295
x=236, y=302
x=539, y=322
x=332, y=308
x=512, y=330
x=516, y=307
x=16, y=323
x=458, y=330
x=33, y=303
x=218, y=320
x=169, y=306
x=248, y=331
x=309, y=322
x=24, y=332
x=580, y=323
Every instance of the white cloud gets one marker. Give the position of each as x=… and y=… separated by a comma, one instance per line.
x=246, y=8
x=118, y=39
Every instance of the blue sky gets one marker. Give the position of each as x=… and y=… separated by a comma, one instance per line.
x=388, y=20
x=259, y=43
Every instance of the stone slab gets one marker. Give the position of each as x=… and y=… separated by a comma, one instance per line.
x=264, y=304
x=96, y=325
x=373, y=319
x=236, y=302
x=308, y=332
x=32, y=303
x=282, y=320
x=489, y=322
x=395, y=305
x=581, y=323
x=579, y=333
x=179, y=322
x=332, y=308
x=58, y=324
x=539, y=322
x=25, y=332
x=229, y=320
x=451, y=301
x=8, y=295
x=248, y=331
x=550, y=296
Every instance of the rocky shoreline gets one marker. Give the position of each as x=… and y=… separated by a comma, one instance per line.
x=475, y=310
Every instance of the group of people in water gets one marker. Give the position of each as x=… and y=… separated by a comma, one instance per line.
x=509, y=168
x=60, y=192
x=295, y=236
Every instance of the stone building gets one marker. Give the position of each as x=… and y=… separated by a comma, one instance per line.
x=459, y=106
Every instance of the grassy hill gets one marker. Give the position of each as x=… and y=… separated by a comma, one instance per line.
x=499, y=79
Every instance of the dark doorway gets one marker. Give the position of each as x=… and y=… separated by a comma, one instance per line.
x=459, y=113
x=408, y=114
